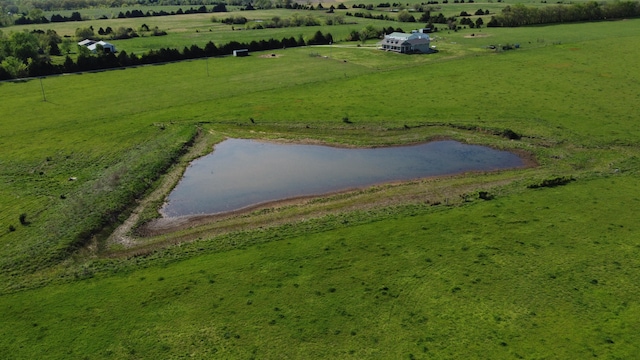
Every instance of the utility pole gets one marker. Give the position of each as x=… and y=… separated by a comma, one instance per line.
x=44, y=97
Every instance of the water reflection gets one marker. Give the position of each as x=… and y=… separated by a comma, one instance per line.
x=240, y=173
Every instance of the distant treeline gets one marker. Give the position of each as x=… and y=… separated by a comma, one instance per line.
x=520, y=15
x=76, y=16
x=30, y=8
x=57, y=5
x=42, y=66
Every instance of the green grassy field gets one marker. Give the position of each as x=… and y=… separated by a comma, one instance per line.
x=534, y=273
x=198, y=29
x=520, y=276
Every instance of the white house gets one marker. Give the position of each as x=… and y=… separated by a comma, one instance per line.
x=92, y=45
x=416, y=42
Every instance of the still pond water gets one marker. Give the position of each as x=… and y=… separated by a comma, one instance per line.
x=241, y=173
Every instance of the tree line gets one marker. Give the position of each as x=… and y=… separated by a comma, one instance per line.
x=19, y=6
x=37, y=17
x=520, y=15
x=22, y=53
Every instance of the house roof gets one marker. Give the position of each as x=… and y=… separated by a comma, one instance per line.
x=398, y=36
x=104, y=44
x=402, y=39
x=419, y=41
x=418, y=35
x=86, y=42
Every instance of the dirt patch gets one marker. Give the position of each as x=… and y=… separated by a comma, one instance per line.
x=270, y=56
x=475, y=36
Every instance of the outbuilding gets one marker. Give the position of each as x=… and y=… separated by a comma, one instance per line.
x=241, y=52
x=93, y=46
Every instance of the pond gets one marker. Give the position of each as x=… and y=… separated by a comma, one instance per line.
x=241, y=173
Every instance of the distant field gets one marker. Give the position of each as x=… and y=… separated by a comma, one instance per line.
x=198, y=29
x=535, y=273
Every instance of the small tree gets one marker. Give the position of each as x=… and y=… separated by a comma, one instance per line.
x=405, y=16
x=75, y=16
x=83, y=50
x=84, y=33
x=66, y=46
x=69, y=65
x=220, y=7
x=368, y=32
x=14, y=67
x=318, y=39
x=23, y=219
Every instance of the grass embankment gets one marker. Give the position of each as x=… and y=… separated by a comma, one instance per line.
x=523, y=275
x=558, y=263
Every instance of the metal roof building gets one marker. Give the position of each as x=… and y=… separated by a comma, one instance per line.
x=416, y=42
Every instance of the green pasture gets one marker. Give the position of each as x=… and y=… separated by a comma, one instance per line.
x=519, y=276
x=198, y=29
x=536, y=273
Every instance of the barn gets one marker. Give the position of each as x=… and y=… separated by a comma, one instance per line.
x=93, y=46
x=241, y=52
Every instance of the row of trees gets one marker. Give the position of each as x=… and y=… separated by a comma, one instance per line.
x=219, y=7
x=75, y=16
x=37, y=17
x=520, y=15
x=405, y=16
x=23, y=6
x=370, y=32
x=20, y=56
x=295, y=20
x=19, y=50
x=280, y=4
x=119, y=33
x=368, y=15
x=472, y=24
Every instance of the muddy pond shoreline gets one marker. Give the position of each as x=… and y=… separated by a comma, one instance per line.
x=437, y=158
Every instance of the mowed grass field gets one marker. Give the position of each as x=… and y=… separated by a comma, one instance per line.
x=534, y=273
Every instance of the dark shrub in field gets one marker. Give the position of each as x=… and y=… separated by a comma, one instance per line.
x=510, y=134
x=552, y=182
